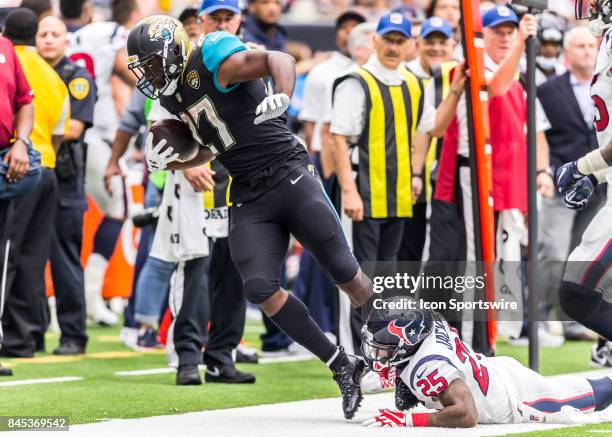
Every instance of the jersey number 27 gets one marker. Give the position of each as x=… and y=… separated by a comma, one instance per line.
x=193, y=119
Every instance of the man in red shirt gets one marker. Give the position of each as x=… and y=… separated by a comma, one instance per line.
x=16, y=120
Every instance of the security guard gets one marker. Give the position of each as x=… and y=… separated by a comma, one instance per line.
x=385, y=115
x=66, y=268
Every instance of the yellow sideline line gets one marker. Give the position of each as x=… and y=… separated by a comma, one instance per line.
x=56, y=359
x=108, y=339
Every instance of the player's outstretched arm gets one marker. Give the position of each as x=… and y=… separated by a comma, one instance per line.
x=593, y=165
x=459, y=408
x=255, y=64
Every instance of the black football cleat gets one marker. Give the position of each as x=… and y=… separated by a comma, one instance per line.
x=348, y=379
x=227, y=375
x=188, y=374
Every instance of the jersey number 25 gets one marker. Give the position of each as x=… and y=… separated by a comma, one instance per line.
x=480, y=372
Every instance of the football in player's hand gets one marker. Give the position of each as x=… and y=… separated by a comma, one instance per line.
x=178, y=136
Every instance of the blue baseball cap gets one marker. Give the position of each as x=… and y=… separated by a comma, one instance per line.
x=436, y=24
x=394, y=22
x=499, y=15
x=210, y=6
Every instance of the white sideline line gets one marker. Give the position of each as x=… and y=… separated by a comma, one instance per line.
x=317, y=417
x=40, y=381
x=290, y=359
x=162, y=370
x=145, y=372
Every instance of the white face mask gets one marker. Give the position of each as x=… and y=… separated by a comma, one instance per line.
x=547, y=63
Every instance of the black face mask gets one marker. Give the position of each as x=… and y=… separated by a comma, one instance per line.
x=152, y=78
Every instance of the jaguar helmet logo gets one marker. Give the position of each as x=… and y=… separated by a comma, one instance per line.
x=162, y=29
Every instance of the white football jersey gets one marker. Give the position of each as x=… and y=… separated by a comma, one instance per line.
x=95, y=47
x=601, y=92
x=442, y=358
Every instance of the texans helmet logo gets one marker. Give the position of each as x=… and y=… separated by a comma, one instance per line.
x=409, y=333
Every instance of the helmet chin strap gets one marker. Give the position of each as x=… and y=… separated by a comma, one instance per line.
x=170, y=89
x=172, y=85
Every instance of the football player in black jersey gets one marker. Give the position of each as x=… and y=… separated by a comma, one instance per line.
x=216, y=87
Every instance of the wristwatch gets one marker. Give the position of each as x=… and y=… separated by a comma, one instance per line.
x=546, y=170
x=25, y=141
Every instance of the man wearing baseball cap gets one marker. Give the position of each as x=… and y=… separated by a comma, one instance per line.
x=435, y=45
x=434, y=64
x=383, y=114
x=322, y=76
x=220, y=15
x=504, y=38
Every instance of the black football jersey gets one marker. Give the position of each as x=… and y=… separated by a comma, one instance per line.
x=256, y=156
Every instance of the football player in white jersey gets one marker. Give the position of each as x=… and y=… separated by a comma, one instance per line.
x=436, y=369
x=587, y=283
x=101, y=48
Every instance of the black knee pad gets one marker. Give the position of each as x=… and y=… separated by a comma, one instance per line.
x=258, y=290
x=342, y=267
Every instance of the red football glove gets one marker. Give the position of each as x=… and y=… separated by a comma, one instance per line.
x=388, y=418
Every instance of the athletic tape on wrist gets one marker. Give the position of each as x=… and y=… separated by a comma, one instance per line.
x=420, y=419
x=592, y=162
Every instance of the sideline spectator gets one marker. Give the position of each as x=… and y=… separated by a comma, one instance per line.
x=16, y=117
x=321, y=78
x=191, y=22
x=433, y=66
x=377, y=213
x=550, y=38
x=76, y=14
x=227, y=298
x=42, y=8
x=65, y=257
x=504, y=47
x=261, y=26
x=31, y=228
x=388, y=174
x=566, y=99
x=100, y=47
x=434, y=63
x=450, y=10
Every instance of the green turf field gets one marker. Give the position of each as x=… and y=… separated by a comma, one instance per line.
x=102, y=395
